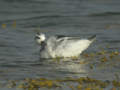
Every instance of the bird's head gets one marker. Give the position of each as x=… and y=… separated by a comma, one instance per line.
x=40, y=37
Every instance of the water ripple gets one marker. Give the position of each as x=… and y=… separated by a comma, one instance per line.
x=104, y=14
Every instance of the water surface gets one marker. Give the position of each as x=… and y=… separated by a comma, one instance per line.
x=19, y=54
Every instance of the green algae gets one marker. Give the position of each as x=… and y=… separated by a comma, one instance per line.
x=82, y=83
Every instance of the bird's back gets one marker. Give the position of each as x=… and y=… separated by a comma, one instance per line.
x=69, y=48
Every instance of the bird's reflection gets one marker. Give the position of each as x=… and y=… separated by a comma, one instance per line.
x=77, y=67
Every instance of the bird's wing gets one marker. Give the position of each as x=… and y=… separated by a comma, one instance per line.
x=62, y=38
x=65, y=41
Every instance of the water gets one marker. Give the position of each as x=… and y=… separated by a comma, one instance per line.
x=19, y=54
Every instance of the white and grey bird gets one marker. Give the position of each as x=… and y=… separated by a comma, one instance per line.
x=62, y=46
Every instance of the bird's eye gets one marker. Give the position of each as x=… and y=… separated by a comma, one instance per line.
x=37, y=37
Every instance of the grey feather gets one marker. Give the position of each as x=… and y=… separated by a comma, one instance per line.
x=92, y=38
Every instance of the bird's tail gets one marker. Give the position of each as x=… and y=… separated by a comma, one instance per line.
x=92, y=38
